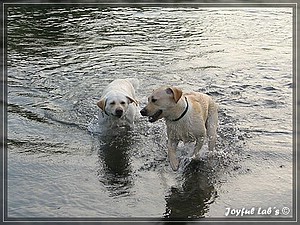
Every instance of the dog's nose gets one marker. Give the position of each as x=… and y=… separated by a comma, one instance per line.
x=119, y=112
x=144, y=112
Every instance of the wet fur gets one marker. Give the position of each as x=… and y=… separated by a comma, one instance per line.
x=199, y=122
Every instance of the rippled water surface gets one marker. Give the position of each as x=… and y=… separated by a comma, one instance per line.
x=61, y=57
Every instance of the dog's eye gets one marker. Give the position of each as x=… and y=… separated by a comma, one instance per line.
x=153, y=100
x=123, y=103
x=112, y=103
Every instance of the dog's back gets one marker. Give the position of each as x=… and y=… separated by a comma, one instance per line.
x=124, y=86
x=135, y=82
x=206, y=103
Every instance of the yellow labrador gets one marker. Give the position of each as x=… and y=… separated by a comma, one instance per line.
x=189, y=117
x=118, y=103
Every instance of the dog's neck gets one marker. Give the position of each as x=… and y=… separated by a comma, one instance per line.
x=104, y=111
x=184, y=105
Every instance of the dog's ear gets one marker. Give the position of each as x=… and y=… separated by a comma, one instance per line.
x=101, y=104
x=176, y=92
x=132, y=100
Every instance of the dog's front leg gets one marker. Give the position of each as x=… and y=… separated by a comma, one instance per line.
x=172, y=145
x=198, y=146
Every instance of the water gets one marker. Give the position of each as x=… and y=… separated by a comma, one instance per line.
x=60, y=59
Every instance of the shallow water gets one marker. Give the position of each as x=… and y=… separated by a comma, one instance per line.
x=60, y=59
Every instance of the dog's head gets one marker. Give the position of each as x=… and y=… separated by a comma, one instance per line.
x=161, y=103
x=115, y=104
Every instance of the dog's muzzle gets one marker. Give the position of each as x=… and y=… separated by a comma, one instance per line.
x=144, y=112
x=119, y=113
x=152, y=118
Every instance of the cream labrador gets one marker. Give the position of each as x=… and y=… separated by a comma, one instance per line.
x=118, y=103
x=189, y=117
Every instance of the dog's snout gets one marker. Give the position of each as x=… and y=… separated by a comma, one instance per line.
x=144, y=112
x=119, y=112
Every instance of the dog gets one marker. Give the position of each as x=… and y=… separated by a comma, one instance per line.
x=189, y=117
x=118, y=103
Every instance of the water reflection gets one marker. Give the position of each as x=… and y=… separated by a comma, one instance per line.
x=192, y=200
x=114, y=156
x=64, y=56
x=26, y=29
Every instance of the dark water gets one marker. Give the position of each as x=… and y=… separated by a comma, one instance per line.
x=60, y=59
